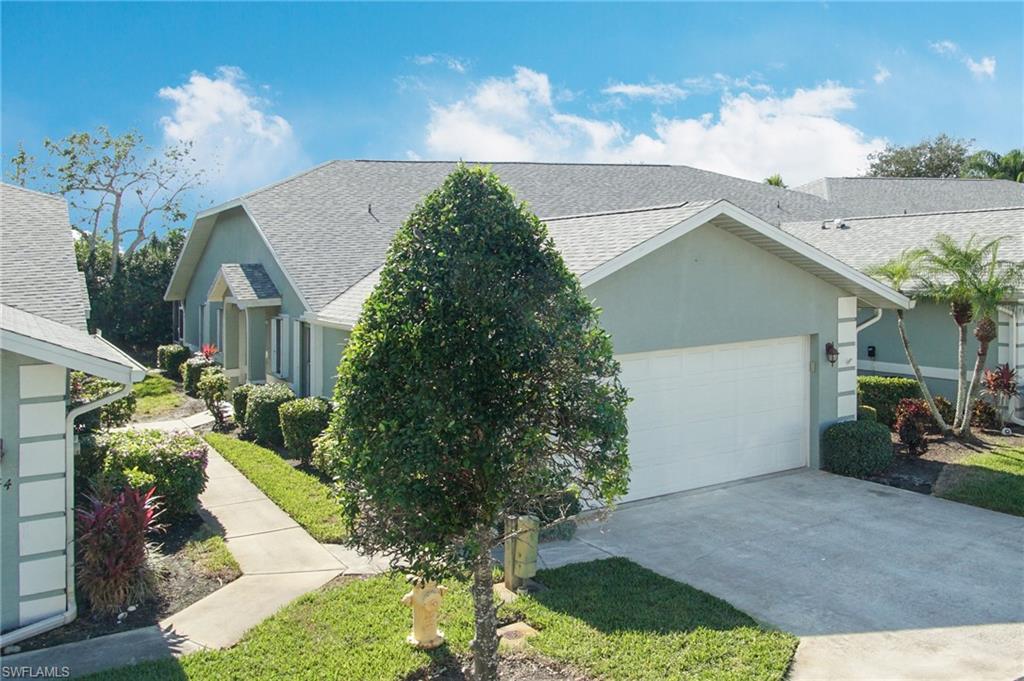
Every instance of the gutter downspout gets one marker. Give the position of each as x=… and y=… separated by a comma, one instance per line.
x=71, y=610
x=868, y=322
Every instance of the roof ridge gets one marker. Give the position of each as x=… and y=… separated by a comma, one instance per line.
x=533, y=163
x=45, y=195
x=883, y=177
x=626, y=211
x=286, y=180
x=938, y=212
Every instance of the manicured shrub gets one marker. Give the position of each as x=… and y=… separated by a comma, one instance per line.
x=856, y=448
x=176, y=460
x=191, y=372
x=913, y=419
x=325, y=452
x=86, y=388
x=865, y=413
x=262, y=418
x=113, y=570
x=985, y=416
x=302, y=421
x=239, y=402
x=884, y=394
x=214, y=387
x=169, y=359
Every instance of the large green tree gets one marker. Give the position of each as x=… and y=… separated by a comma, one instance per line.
x=941, y=156
x=1008, y=166
x=477, y=383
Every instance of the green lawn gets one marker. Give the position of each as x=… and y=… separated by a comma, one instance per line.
x=993, y=480
x=302, y=496
x=211, y=555
x=610, y=618
x=156, y=395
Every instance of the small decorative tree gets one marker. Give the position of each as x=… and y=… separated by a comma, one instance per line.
x=476, y=382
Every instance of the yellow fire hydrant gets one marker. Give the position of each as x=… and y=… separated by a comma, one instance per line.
x=425, y=601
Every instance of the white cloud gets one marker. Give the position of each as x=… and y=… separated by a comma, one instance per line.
x=659, y=92
x=453, y=63
x=945, y=47
x=239, y=144
x=751, y=135
x=882, y=74
x=986, y=68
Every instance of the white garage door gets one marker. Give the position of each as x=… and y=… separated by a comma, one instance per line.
x=707, y=415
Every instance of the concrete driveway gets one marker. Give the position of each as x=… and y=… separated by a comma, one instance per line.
x=878, y=583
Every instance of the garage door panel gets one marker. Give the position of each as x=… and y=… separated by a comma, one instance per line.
x=704, y=416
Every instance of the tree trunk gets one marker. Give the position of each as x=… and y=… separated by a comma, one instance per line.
x=961, y=375
x=485, y=643
x=986, y=332
x=943, y=426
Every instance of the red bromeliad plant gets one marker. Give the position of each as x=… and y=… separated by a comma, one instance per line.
x=209, y=350
x=1000, y=384
x=113, y=565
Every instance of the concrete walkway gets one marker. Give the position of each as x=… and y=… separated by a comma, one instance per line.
x=878, y=583
x=280, y=561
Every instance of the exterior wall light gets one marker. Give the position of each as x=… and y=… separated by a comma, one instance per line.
x=831, y=353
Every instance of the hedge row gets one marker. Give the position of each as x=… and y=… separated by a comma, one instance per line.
x=272, y=416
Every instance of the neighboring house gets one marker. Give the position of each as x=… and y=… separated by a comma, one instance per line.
x=866, y=241
x=43, y=336
x=720, y=319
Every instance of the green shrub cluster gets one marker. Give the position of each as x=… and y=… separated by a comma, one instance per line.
x=191, y=372
x=262, y=416
x=239, y=403
x=169, y=359
x=86, y=388
x=884, y=394
x=325, y=451
x=176, y=461
x=856, y=448
x=866, y=413
x=302, y=421
x=214, y=387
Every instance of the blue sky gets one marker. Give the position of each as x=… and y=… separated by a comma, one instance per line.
x=266, y=90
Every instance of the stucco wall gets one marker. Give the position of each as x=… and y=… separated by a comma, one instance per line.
x=33, y=404
x=233, y=239
x=710, y=287
x=334, y=346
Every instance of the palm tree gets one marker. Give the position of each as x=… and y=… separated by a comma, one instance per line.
x=993, y=284
x=949, y=275
x=1008, y=166
x=897, y=273
x=775, y=180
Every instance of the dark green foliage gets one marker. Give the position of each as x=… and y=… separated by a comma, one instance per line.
x=866, y=413
x=262, y=416
x=477, y=381
x=191, y=372
x=913, y=419
x=169, y=358
x=239, y=402
x=177, y=461
x=214, y=387
x=86, y=388
x=129, y=307
x=942, y=156
x=301, y=422
x=985, y=416
x=884, y=394
x=856, y=448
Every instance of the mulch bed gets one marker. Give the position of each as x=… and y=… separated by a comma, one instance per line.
x=511, y=667
x=179, y=585
x=924, y=473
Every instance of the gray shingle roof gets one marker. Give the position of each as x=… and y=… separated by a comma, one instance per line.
x=249, y=281
x=585, y=241
x=319, y=223
x=859, y=196
x=38, y=271
x=868, y=241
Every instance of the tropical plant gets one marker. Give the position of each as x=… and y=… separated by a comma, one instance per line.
x=992, y=285
x=113, y=568
x=951, y=274
x=1001, y=385
x=898, y=273
x=209, y=351
x=775, y=180
x=912, y=418
x=214, y=387
x=1008, y=166
x=476, y=383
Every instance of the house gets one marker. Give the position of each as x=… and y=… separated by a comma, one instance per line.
x=43, y=336
x=866, y=241
x=723, y=322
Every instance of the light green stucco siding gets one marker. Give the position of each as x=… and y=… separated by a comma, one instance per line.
x=334, y=347
x=933, y=339
x=710, y=287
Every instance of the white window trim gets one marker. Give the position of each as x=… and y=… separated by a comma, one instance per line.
x=280, y=353
x=316, y=363
x=274, y=340
x=296, y=355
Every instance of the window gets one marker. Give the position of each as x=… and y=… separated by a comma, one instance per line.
x=178, y=316
x=276, y=343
